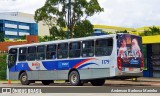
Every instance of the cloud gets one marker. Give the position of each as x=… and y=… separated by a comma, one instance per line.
x=128, y=13
x=27, y=6
x=125, y=13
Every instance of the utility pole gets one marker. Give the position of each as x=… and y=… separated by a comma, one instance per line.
x=69, y=13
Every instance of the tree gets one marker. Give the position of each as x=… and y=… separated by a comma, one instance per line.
x=151, y=31
x=3, y=66
x=124, y=31
x=54, y=15
x=83, y=28
x=1, y=36
x=154, y=30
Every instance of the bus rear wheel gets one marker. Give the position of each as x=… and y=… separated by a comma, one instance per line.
x=98, y=82
x=47, y=82
x=74, y=79
x=24, y=79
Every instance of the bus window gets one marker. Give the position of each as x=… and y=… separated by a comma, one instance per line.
x=103, y=47
x=74, y=49
x=12, y=57
x=22, y=54
x=13, y=51
x=51, y=52
x=31, y=53
x=62, y=50
x=41, y=52
x=88, y=48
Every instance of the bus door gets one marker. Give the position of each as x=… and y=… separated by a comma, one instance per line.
x=12, y=58
x=130, y=57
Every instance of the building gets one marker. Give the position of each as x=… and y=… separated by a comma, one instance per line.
x=16, y=25
x=112, y=29
x=151, y=51
x=29, y=39
x=43, y=29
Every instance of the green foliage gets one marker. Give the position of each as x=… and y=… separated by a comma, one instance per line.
x=54, y=15
x=125, y=31
x=15, y=39
x=83, y=28
x=1, y=36
x=23, y=37
x=46, y=38
x=109, y=32
x=3, y=66
x=151, y=31
x=41, y=39
x=6, y=39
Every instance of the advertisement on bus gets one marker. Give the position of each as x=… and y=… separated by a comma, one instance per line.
x=130, y=50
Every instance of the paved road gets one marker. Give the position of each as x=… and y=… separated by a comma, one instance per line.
x=110, y=83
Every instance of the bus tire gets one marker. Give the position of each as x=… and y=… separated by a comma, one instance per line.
x=46, y=82
x=98, y=82
x=24, y=79
x=74, y=79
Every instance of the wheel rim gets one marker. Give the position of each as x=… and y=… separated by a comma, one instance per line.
x=74, y=78
x=24, y=78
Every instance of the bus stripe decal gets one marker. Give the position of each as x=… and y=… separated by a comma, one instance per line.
x=87, y=65
x=30, y=68
x=80, y=63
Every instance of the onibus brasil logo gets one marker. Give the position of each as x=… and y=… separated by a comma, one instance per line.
x=20, y=90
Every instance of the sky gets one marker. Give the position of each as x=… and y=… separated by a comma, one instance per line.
x=123, y=13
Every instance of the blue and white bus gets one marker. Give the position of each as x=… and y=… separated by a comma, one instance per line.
x=89, y=59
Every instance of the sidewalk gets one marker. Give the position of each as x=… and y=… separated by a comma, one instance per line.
x=149, y=79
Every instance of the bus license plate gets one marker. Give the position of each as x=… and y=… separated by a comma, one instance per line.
x=131, y=69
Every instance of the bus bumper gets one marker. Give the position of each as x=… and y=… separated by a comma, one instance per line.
x=132, y=74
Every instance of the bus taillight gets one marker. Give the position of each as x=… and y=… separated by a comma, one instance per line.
x=142, y=64
x=119, y=63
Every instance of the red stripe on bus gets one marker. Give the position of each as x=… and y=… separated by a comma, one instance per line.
x=80, y=63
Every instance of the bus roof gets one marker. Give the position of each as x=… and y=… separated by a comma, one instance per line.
x=62, y=41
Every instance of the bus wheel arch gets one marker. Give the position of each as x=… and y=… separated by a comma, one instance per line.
x=20, y=73
x=24, y=78
x=74, y=77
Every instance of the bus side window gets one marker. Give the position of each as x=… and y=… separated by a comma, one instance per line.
x=22, y=54
x=88, y=48
x=31, y=53
x=51, y=51
x=103, y=47
x=74, y=49
x=41, y=52
x=62, y=51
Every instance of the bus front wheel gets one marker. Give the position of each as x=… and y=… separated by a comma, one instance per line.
x=98, y=82
x=24, y=79
x=74, y=79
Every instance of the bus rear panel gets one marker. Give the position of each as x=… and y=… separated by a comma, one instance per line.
x=130, y=59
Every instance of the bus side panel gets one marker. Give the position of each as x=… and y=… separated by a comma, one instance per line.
x=94, y=73
x=41, y=70
x=33, y=75
x=13, y=76
x=48, y=75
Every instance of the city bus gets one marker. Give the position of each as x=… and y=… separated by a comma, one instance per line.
x=79, y=60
